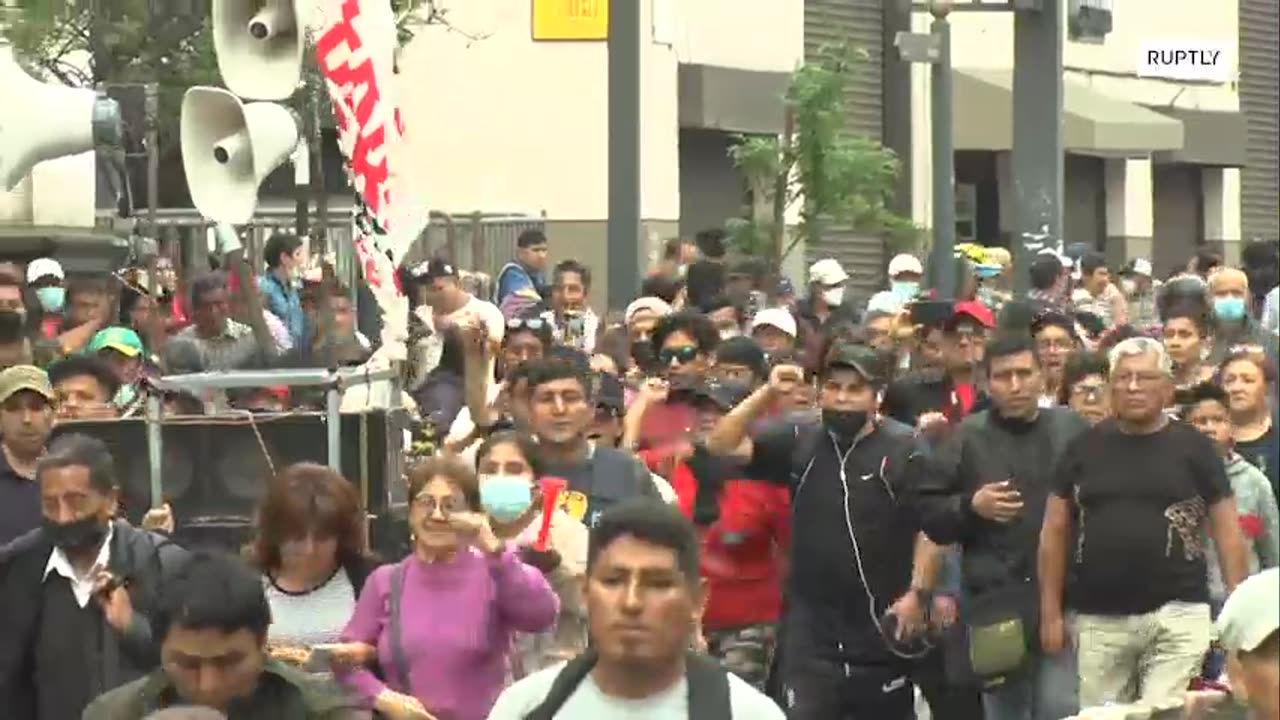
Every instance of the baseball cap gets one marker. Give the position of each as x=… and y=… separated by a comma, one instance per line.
x=775, y=317
x=1139, y=266
x=862, y=358
x=121, y=339
x=24, y=377
x=905, y=263
x=432, y=269
x=827, y=272
x=41, y=267
x=973, y=309
x=1251, y=613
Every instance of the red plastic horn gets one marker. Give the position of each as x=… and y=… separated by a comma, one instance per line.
x=552, y=487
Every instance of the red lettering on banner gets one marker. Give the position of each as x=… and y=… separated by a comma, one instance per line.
x=348, y=82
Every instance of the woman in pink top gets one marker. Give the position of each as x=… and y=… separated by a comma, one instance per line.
x=442, y=619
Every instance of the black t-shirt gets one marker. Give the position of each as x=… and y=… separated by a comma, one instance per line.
x=1141, y=507
x=1264, y=453
x=828, y=602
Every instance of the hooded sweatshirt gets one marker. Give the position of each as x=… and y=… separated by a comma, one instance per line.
x=1259, y=521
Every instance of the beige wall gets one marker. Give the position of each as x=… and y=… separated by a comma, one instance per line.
x=506, y=124
x=765, y=35
x=985, y=40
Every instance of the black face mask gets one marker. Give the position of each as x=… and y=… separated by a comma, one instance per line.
x=11, y=325
x=76, y=535
x=642, y=353
x=844, y=423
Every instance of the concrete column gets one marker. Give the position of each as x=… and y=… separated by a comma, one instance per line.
x=1005, y=194
x=1221, y=192
x=1130, y=205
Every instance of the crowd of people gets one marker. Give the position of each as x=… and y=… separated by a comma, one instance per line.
x=732, y=500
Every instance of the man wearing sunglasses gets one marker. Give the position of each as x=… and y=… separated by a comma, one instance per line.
x=684, y=344
x=929, y=398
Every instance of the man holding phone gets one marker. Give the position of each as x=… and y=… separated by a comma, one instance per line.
x=988, y=496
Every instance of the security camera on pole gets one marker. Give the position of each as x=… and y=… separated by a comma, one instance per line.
x=53, y=121
x=230, y=146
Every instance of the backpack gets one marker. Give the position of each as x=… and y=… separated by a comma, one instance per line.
x=709, y=697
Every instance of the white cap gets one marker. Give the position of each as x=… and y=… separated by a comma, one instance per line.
x=1251, y=613
x=1142, y=266
x=650, y=305
x=827, y=272
x=775, y=317
x=41, y=267
x=905, y=263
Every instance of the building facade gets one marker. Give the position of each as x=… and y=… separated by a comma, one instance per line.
x=1153, y=165
x=500, y=122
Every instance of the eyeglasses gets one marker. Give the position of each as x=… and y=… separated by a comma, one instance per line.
x=1056, y=344
x=1087, y=391
x=446, y=505
x=533, y=323
x=682, y=355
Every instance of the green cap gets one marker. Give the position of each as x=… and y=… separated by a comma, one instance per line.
x=1252, y=613
x=121, y=339
x=24, y=377
x=863, y=358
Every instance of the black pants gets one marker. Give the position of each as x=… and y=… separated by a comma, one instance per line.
x=817, y=689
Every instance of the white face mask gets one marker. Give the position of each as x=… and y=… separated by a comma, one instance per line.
x=833, y=297
x=729, y=333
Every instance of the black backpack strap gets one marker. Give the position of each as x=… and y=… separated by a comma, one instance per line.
x=397, y=637
x=708, y=688
x=563, y=687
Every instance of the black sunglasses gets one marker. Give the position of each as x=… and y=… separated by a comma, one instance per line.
x=683, y=355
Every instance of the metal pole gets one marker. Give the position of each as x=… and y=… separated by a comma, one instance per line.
x=152, y=107
x=333, y=424
x=155, y=448
x=942, y=260
x=624, y=151
x=1037, y=134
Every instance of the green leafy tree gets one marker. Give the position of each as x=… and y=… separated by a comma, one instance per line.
x=835, y=175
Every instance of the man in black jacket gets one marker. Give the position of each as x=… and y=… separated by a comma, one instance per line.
x=988, y=496
x=75, y=594
x=861, y=573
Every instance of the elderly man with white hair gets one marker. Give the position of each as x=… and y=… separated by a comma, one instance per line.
x=1134, y=497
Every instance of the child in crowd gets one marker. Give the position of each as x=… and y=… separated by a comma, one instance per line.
x=1205, y=407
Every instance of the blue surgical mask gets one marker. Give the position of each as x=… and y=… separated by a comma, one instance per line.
x=505, y=497
x=1229, y=308
x=905, y=289
x=125, y=396
x=52, y=299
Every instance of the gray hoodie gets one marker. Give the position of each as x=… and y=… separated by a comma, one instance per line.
x=1259, y=519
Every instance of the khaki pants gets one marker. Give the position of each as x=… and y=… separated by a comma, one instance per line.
x=1146, y=658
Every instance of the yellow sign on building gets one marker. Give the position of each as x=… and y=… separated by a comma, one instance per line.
x=570, y=19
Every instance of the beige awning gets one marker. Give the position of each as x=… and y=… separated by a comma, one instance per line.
x=1209, y=137
x=1093, y=123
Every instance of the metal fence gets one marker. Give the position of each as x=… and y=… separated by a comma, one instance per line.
x=480, y=242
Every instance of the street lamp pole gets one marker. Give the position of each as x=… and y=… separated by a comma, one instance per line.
x=1037, y=134
x=942, y=258
x=624, y=152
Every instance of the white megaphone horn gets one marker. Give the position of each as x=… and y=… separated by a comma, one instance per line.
x=229, y=148
x=47, y=121
x=259, y=44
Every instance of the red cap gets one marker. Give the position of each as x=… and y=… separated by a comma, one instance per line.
x=975, y=310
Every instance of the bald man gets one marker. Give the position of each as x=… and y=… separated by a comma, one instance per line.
x=1234, y=324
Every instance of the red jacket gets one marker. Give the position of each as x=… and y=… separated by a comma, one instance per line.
x=743, y=551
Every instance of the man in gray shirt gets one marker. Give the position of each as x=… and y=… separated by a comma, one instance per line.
x=644, y=594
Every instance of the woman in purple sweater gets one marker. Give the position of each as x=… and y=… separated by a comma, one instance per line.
x=462, y=593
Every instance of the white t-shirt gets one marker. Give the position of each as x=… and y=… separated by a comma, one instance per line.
x=588, y=702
